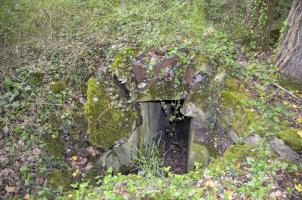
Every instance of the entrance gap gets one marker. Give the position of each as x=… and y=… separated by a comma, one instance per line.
x=174, y=140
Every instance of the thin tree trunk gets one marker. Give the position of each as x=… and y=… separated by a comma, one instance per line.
x=289, y=51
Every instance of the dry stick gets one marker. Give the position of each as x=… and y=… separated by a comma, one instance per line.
x=15, y=144
x=288, y=92
x=54, y=104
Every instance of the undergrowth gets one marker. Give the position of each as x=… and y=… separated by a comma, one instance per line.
x=51, y=48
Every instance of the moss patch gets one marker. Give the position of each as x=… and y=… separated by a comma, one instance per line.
x=198, y=153
x=236, y=114
x=54, y=146
x=163, y=91
x=121, y=63
x=58, y=178
x=235, y=111
x=292, y=138
x=234, y=84
x=234, y=99
x=236, y=153
x=106, y=124
x=57, y=86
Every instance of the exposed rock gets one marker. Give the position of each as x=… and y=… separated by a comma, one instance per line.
x=233, y=135
x=190, y=109
x=164, y=64
x=139, y=72
x=122, y=156
x=202, y=142
x=292, y=138
x=189, y=75
x=253, y=140
x=285, y=151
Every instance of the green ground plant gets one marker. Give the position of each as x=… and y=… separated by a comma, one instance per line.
x=49, y=49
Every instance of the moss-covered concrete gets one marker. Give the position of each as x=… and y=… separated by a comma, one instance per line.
x=106, y=124
x=292, y=138
x=165, y=90
x=121, y=63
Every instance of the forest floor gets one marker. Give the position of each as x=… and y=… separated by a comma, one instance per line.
x=52, y=49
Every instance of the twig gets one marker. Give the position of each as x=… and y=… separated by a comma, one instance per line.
x=54, y=104
x=288, y=92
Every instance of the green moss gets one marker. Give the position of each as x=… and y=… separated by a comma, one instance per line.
x=120, y=65
x=292, y=138
x=291, y=83
x=106, y=124
x=234, y=84
x=80, y=124
x=241, y=121
x=199, y=96
x=54, y=146
x=57, y=86
x=164, y=90
x=232, y=99
x=36, y=78
x=198, y=153
x=59, y=178
x=202, y=63
x=235, y=111
x=236, y=153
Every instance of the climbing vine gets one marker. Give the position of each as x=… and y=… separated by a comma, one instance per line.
x=258, y=20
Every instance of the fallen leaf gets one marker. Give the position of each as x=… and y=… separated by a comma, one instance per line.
x=26, y=197
x=298, y=187
x=210, y=183
x=36, y=151
x=276, y=194
x=5, y=130
x=9, y=189
x=285, y=102
x=299, y=120
x=75, y=173
x=119, y=187
x=237, y=165
x=74, y=158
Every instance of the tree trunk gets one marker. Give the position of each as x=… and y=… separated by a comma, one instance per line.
x=289, y=51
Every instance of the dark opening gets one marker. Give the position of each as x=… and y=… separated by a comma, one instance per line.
x=174, y=141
